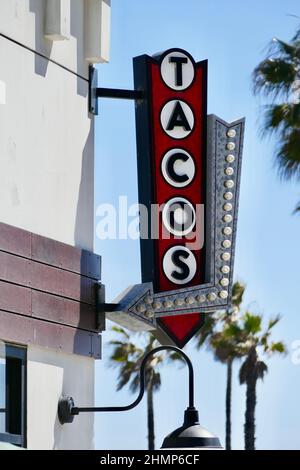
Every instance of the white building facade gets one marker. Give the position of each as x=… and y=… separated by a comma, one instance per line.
x=49, y=331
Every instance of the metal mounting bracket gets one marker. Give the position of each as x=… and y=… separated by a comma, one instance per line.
x=115, y=93
x=102, y=307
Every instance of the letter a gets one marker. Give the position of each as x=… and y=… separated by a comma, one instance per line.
x=178, y=119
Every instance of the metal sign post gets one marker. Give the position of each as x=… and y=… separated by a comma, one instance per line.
x=189, y=169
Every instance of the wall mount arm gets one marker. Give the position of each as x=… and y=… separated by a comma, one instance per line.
x=116, y=93
x=67, y=409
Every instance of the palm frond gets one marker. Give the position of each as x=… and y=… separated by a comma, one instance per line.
x=127, y=371
x=279, y=347
x=238, y=290
x=224, y=345
x=206, y=330
x=135, y=383
x=156, y=381
x=274, y=77
x=288, y=50
x=288, y=154
x=273, y=321
x=279, y=75
x=232, y=331
x=174, y=356
x=223, y=352
x=261, y=369
x=252, y=323
x=120, y=330
x=264, y=340
x=128, y=356
x=297, y=208
x=296, y=37
x=119, y=355
x=280, y=118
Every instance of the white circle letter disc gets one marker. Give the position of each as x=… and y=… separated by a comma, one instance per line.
x=179, y=216
x=178, y=168
x=177, y=70
x=179, y=265
x=177, y=119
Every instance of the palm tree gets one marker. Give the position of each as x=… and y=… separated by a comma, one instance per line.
x=225, y=343
x=128, y=357
x=253, y=368
x=278, y=78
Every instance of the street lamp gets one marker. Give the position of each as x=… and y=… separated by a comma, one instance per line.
x=189, y=435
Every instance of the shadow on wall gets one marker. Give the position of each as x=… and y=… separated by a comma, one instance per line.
x=84, y=224
x=57, y=432
x=44, y=45
x=77, y=30
x=83, y=236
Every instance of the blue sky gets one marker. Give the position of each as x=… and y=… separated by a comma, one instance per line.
x=232, y=35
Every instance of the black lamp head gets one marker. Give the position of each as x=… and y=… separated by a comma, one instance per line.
x=191, y=434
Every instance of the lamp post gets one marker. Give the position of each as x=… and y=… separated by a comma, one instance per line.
x=190, y=435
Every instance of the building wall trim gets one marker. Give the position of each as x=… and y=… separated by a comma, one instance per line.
x=48, y=293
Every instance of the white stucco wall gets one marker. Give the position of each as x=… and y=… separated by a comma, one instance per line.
x=89, y=30
x=47, y=141
x=46, y=149
x=49, y=374
x=24, y=21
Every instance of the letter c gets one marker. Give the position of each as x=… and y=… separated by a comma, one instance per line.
x=178, y=168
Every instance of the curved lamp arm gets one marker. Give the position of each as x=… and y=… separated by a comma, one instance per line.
x=67, y=409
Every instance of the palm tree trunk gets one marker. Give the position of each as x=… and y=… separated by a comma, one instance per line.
x=228, y=404
x=250, y=414
x=150, y=417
